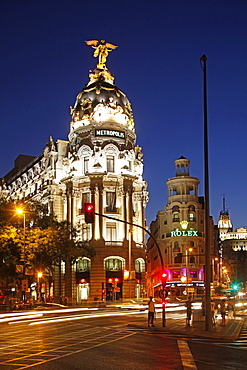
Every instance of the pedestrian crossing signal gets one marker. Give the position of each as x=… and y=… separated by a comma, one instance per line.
x=89, y=213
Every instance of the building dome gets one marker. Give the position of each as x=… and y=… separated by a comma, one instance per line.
x=102, y=102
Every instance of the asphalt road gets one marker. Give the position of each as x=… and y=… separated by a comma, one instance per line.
x=107, y=340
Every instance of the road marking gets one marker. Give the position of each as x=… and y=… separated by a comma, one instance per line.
x=60, y=351
x=186, y=356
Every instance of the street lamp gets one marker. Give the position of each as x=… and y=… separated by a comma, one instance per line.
x=20, y=211
x=39, y=287
x=187, y=268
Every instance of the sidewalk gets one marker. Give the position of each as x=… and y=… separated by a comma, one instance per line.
x=230, y=332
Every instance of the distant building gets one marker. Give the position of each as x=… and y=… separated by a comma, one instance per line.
x=179, y=233
x=99, y=163
x=233, y=249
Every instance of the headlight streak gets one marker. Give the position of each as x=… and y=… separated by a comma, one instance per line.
x=83, y=317
x=16, y=317
x=11, y=319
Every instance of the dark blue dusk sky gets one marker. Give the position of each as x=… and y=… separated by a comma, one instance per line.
x=45, y=64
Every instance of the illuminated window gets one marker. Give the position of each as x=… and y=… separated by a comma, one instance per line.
x=140, y=265
x=110, y=163
x=175, y=217
x=83, y=264
x=192, y=217
x=176, y=274
x=85, y=164
x=111, y=231
x=113, y=264
x=111, y=201
x=85, y=232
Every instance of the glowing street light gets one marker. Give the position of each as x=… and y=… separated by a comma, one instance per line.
x=39, y=274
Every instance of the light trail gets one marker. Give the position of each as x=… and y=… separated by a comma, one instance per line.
x=84, y=317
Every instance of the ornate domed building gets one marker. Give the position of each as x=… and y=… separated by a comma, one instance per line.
x=101, y=164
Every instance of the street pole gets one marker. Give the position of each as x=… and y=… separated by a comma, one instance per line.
x=187, y=272
x=208, y=317
x=130, y=241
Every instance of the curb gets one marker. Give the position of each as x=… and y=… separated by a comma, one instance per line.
x=199, y=334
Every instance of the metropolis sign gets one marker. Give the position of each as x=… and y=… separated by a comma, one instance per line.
x=112, y=133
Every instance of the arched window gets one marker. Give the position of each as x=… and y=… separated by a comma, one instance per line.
x=176, y=247
x=191, y=211
x=175, y=217
x=83, y=264
x=192, y=217
x=114, y=264
x=192, y=259
x=140, y=265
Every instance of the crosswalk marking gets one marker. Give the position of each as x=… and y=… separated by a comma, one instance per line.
x=186, y=356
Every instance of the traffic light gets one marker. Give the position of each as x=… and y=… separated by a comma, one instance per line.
x=89, y=213
x=163, y=278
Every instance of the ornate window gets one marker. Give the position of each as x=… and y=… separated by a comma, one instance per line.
x=111, y=201
x=111, y=231
x=176, y=247
x=85, y=164
x=83, y=264
x=140, y=265
x=114, y=264
x=110, y=165
x=175, y=217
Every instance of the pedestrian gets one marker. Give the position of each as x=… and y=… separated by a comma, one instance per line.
x=223, y=312
x=214, y=311
x=188, y=305
x=151, y=311
x=230, y=307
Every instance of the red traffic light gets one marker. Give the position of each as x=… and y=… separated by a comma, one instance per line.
x=163, y=278
x=89, y=213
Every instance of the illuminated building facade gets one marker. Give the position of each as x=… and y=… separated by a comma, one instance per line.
x=179, y=233
x=233, y=249
x=99, y=163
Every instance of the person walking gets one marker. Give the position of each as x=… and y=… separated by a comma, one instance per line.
x=188, y=305
x=230, y=307
x=151, y=311
x=214, y=311
x=223, y=312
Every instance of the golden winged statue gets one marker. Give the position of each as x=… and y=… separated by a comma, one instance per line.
x=102, y=49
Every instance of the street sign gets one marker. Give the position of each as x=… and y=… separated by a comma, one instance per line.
x=163, y=293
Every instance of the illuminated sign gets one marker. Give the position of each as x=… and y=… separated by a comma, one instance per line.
x=112, y=133
x=190, y=232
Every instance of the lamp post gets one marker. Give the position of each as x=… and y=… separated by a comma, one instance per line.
x=39, y=287
x=130, y=241
x=20, y=211
x=187, y=268
x=208, y=316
